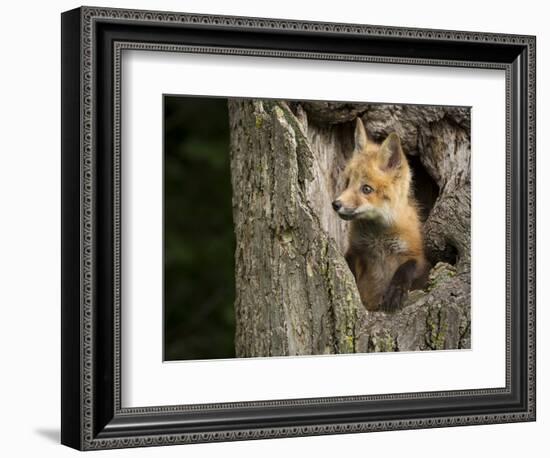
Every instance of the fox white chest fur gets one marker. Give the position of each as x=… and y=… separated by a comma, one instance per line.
x=376, y=257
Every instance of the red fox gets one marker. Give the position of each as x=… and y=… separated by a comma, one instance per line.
x=385, y=252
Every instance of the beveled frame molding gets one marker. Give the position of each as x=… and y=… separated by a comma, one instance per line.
x=93, y=40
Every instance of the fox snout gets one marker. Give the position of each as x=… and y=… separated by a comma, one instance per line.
x=343, y=212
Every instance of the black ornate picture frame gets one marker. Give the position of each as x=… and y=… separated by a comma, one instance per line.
x=92, y=42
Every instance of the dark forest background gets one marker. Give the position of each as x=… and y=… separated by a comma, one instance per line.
x=199, y=244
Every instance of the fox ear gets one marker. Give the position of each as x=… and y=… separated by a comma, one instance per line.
x=360, y=136
x=391, y=151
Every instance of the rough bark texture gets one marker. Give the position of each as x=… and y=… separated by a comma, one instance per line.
x=295, y=293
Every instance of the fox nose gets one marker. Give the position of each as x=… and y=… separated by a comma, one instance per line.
x=337, y=205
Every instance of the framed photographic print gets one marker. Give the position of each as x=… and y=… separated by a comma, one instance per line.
x=277, y=228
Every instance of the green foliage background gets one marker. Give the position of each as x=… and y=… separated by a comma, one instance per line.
x=199, y=244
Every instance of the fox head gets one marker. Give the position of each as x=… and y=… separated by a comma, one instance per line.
x=377, y=180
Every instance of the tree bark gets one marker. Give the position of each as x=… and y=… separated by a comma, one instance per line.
x=294, y=292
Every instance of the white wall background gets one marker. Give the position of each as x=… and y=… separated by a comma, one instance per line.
x=30, y=226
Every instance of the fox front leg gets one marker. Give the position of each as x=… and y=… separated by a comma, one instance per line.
x=358, y=269
x=351, y=261
x=399, y=286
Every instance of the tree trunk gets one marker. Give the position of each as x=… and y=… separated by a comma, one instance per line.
x=294, y=292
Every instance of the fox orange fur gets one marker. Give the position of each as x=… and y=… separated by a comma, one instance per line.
x=385, y=252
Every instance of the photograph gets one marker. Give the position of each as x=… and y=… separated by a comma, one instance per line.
x=299, y=228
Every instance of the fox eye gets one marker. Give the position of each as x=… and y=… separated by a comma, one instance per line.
x=366, y=189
